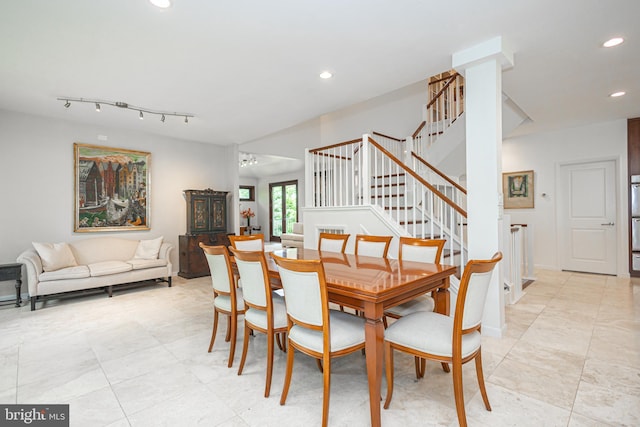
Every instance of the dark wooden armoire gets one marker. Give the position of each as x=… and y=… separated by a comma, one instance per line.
x=206, y=223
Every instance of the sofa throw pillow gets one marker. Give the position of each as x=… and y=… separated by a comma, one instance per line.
x=55, y=256
x=148, y=249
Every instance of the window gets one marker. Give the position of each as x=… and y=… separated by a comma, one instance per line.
x=247, y=193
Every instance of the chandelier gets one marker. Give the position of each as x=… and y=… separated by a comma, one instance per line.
x=142, y=111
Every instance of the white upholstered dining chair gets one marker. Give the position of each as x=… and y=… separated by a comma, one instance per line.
x=331, y=242
x=374, y=246
x=264, y=310
x=418, y=250
x=313, y=328
x=455, y=340
x=253, y=242
x=227, y=299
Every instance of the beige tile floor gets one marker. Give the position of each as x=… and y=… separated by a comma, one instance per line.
x=570, y=357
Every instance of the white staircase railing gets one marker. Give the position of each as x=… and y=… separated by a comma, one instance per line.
x=446, y=104
x=363, y=172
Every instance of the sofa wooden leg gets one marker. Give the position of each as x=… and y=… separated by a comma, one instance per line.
x=110, y=291
x=169, y=281
x=33, y=303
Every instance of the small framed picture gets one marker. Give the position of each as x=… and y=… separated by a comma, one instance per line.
x=517, y=188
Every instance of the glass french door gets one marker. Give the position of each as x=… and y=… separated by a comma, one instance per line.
x=283, y=208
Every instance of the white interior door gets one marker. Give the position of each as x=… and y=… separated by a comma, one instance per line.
x=587, y=217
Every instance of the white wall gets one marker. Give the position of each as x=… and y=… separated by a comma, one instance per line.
x=396, y=114
x=36, y=190
x=542, y=153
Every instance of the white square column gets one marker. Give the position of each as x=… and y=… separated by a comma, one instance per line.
x=482, y=67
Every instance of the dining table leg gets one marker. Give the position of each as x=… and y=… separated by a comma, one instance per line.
x=374, y=345
x=442, y=298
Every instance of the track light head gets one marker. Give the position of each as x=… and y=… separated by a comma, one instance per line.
x=97, y=107
x=186, y=119
x=141, y=116
x=67, y=104
x=162, y=118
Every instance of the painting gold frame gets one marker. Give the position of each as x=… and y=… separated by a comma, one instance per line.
x=517, y=190
x=112, y=188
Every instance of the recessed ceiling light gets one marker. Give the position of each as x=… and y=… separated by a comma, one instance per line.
x=613, y=42
x=161, y=3
x=617, y=94
x=325, y=75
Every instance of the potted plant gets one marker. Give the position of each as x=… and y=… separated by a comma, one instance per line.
x=248, y=214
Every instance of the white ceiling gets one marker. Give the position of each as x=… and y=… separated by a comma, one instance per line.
x=248, y=68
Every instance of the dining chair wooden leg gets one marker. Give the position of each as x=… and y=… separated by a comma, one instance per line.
x=287, y=375
x=326, y=377
x=384, y=322
x=270, y=342
x=388, y=357
x=319, y=363
x=215, y=328
x=232, y=346
x=445, y=367
x=458, y=392
x=281, y=340
x=245, y=347
x=228, y=336
x=480, y=375
x=420, y=366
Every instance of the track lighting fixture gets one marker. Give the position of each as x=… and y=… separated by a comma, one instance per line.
x=119, y=104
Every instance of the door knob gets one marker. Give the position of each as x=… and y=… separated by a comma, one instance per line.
x=610, y=223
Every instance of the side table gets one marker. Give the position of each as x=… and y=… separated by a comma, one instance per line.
x=13, y=272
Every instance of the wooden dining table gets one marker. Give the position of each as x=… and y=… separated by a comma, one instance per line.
x=371, y=285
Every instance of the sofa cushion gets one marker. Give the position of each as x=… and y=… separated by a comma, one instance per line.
x=139, y=264
x=108, y=267
x=55, y=256
x=77, y=272
x=297, y=228
x=294, y=237
x=148, y=249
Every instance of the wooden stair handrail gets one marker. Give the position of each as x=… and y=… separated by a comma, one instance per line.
x=419, y=178
x=441, y=91
x=339, y=144
x=437, y=171
x=417, y=132
x=388, y=137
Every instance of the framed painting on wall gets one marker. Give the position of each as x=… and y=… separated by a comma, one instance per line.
x=517, y=188
x=111, y=190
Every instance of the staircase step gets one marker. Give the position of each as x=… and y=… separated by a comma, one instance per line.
x=412, y=222
x=390, y=175
x=429, y=236
x=446, y=254
x=388, y=185
x=380, y=196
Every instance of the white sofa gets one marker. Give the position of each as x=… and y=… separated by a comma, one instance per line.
x=98, y=262
x=294, y=239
